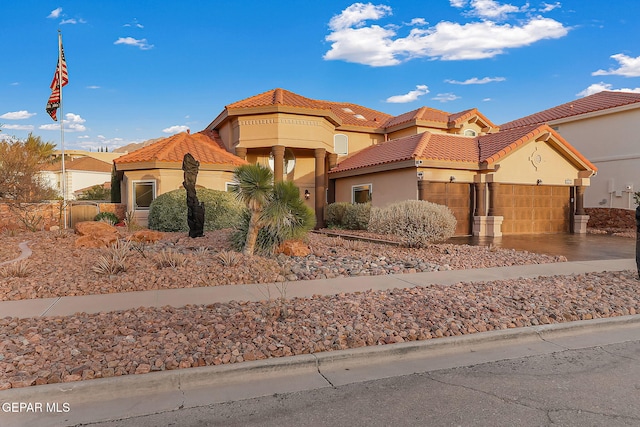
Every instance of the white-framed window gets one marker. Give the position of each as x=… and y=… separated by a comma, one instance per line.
x=144, y=192
x=361, y=193
x=340, y=144
x=229, y=186
x=470, y=132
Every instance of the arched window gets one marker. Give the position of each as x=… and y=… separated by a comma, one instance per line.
x=470, y=132
x=340, y=144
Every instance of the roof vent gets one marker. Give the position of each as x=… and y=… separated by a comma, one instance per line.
x=348, y=110
x=359, y=117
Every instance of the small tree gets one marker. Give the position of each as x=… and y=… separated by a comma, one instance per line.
x=20, y=166
x=97, y=192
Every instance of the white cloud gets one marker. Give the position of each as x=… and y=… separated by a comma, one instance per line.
x=458, y=3
x=548, y=7
x=410, y=96
x=445, y=97
x=599, y=87
x=491, y=9
x=140, y=43
x=93, y=87
x=17, y=115
x=55, y=13
x=134, y=23
x=72, y=123
x=628, y=67
x=354, y=41
x=476, y=81
x=19, y=127
x=176, y=129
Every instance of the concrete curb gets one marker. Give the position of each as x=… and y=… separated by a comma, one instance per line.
x=26, y=253
x=181, y=380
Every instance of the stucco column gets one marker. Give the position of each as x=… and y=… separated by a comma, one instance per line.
x=241, y=152
x=493, y=197
x=480, y=199
x=332, y=159
x=320, y=173
x=580, y=200
x=278, y=162
x=422, y=190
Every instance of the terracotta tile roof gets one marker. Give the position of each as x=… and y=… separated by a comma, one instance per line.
x=488, y=148
x=425, y=146
x=205, y=147
x=436, y=116
x=592, y=103
x=85, y=164
x=350, y=114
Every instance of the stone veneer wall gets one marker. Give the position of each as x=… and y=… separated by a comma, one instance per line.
x=611, y=218
x=50, y=213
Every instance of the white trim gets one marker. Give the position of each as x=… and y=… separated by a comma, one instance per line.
x=154, y=185
x=361, y=187
x=229, y=184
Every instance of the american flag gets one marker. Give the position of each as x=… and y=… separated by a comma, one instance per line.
x=61, y=71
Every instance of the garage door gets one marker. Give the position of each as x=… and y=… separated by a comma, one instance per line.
x=533, y=209
x=457, y=196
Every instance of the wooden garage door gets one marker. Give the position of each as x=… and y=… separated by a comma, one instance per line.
x=533, y=209
x=457, y=196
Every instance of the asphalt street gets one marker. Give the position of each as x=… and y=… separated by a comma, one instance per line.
x=597, y=386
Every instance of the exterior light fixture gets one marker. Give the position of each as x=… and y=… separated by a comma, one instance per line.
x=538, y=182
x=307, y=195
x=452, y=178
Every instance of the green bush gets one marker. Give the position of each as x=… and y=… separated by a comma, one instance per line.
x=335, y=214
x=168, y=212
x=109, y=217
x=357, y=216
x=416, y=222
x=285, y=217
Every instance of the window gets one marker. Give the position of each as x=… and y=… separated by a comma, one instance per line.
x=289, y=162
x=470, y=132
x=361, y=193
x=341, y=144
x=144, y=192
x=229, y=186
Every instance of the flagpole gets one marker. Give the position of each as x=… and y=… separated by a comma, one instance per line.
x=64, y=175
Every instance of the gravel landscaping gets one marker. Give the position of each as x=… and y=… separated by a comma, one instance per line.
x=85, y=346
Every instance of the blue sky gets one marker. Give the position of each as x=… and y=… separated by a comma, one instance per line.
x=147, y=69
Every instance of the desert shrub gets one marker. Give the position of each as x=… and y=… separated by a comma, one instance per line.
x=114, y=261
x=170, y=258
x=356, y=216
x=168, y=212
x=416, y=222
x=335, y=214
x=16, y=269
x=109, y=217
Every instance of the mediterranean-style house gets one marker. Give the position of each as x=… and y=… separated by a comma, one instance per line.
x=602, y=127
x=525, y=180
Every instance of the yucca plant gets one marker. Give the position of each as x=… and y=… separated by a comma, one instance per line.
x=228, y=258
x=16, y=269
x=170, y=258
x=114, y=261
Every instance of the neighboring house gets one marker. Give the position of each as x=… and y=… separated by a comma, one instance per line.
x=78, y=194
x=601, y=126
x=528, y=180
x=157, y=168
x=80, y=172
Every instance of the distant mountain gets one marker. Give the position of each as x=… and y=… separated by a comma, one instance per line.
x=135, y=145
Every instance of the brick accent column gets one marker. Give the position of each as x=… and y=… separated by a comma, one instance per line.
x=241, y=152
x=278, y=162
x=493, y=196
x=480, y=208
x=320, y=174
x=580, y=200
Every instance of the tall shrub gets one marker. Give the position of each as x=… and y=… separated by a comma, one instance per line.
x=168, y=212
x=416, y=222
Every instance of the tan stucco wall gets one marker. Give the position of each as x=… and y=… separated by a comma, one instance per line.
x=267, y=130
x=612, y=143
x=520, y=167
x=387, y=187
x=168, y=180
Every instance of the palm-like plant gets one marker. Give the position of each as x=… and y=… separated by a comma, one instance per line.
x=253, y=185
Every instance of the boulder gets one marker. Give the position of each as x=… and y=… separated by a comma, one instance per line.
x=149, y=236
x=95, y=234
x=294, y=248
